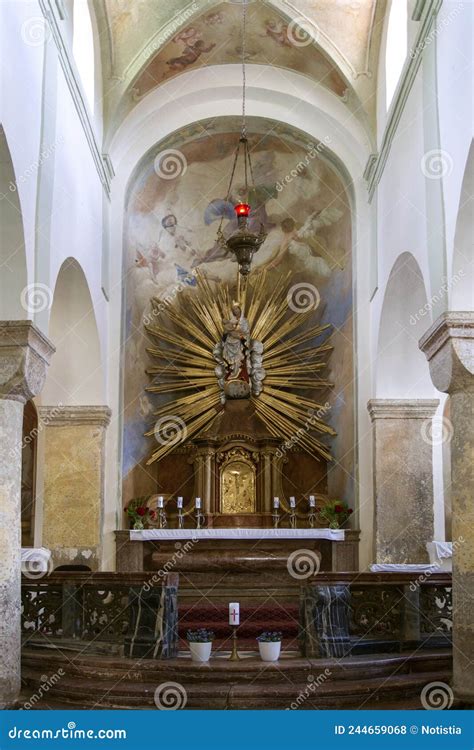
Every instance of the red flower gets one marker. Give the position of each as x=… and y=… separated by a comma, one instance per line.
x=152, y=515
x=141, y=511
x=350, y=511
x=338, y=508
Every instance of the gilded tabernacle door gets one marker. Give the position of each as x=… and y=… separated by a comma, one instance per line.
x=237, y=483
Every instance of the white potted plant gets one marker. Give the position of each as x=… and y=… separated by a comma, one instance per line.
x=200, y=644
x=269, y=644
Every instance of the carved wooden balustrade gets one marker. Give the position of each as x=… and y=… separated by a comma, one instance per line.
x=134, y=614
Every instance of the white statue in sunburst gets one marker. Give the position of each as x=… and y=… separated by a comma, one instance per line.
x=239, y=358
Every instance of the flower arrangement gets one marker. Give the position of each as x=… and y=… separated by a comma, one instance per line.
x=335, y=513
x=202, y=635
x=270, y=636
x=139, y=513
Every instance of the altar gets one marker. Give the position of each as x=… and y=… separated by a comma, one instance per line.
x=249, y=550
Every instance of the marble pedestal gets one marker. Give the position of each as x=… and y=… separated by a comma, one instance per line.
x=403, y=479
x=449, y=348
x=24, y=356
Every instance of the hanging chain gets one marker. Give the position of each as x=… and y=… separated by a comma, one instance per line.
x=244, y=73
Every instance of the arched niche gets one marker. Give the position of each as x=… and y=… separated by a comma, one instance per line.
x=462, y=294
x=13, y=272
x=75, y=375
x=170, y=228
x=401, y=369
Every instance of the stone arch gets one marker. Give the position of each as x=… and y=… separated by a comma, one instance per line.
x=401, y=369
x=13, y=268
x=462, y=295
x=75, y=376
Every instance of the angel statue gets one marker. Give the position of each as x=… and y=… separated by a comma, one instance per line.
x=239, y=358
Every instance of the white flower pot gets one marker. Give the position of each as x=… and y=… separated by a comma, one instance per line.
x=200, y=651
x=269, y=650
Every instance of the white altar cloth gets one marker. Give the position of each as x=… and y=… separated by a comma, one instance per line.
x=334, y=535
x=403, y=568
x=441, y=554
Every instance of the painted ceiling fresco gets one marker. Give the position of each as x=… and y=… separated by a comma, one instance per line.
x=170, y=229
x=215, y=38
x=349, y=24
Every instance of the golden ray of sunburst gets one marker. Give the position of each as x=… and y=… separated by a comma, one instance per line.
x=187, y=328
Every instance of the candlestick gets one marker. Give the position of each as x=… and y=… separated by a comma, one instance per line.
x=179, y=503
x=234, y=613
x=160, y=503
x=312, y=501
x=234, y=655
x=292, y=502
x=276, y=514
x=197, y=503
x=312, y=508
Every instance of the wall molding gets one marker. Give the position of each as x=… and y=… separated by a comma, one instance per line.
x=425, y=12
x=102, y=162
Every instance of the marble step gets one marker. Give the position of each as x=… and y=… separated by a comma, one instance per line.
x=360, y=693
x=38, y=662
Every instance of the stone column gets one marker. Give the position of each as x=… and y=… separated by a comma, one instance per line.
x=73, y=492
x=24, y=356
x=403, y=479
x=449, y=349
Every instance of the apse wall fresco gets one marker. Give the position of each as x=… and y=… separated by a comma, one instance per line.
x=175, y=203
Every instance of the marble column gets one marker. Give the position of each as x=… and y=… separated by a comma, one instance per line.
x=403, y=479
x=24, y=356
x=73, y=491
x=449, y=349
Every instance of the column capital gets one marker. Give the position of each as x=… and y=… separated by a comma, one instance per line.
x=402, y=408
x=61, y=415
x=449, y=348
x=24, y=355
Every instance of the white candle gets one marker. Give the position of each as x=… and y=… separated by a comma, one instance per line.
x=234, y=613
x=292, y=502
x=197, y=504
x=179, y=502
x=160, y=502
x=276, y=502
x=312, y=501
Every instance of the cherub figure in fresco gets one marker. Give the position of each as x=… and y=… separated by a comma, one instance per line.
x=152, y=260
x=278, y=31
x=213, y=18
x=303, y=242
x=194, y=47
